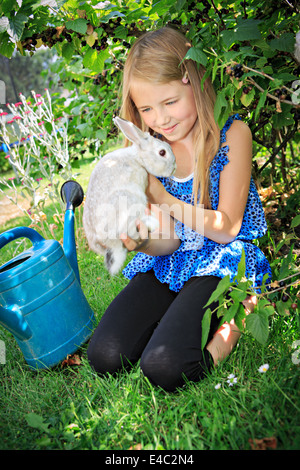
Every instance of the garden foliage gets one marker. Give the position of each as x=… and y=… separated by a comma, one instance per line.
x=250, y=49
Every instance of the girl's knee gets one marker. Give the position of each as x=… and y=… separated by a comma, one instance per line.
x=161, y=370
x=167, y=370
x=103, y=358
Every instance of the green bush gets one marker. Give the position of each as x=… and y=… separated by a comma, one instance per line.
x=248, y=47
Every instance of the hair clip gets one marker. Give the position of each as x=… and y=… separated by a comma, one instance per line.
x=185, y=78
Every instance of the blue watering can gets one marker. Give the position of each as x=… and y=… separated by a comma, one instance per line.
x=41, y=300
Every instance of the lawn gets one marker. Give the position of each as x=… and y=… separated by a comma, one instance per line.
x=72, y=408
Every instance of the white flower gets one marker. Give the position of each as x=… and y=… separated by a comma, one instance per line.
x=231, y=380
x=217, y=386
x=263, y=368
x=101, y=5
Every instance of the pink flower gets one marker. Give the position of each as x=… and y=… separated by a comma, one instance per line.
x=39, y=179
x=7, y=156
x=38, y=95
x=10, y=122
x=27, y=112
x=3, y=114
x=39, y=103
x=41, y=123
x=18, y=104
x=16, y=117
x=10, y=179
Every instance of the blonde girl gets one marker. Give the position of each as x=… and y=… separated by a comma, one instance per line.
x=209, y=212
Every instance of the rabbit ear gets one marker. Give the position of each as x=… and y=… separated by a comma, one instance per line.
x=133, y=133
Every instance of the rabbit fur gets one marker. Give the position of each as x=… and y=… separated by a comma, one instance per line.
x=116, y=197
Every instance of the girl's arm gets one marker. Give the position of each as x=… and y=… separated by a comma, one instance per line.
x=221, y=225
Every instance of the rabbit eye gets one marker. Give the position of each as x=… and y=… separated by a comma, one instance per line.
x=162, y=153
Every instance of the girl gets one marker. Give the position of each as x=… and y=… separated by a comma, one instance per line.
x=208, y=213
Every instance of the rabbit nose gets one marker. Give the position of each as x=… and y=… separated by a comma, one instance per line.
x=162, y=153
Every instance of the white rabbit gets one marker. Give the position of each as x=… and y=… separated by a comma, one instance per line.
x=116, y=197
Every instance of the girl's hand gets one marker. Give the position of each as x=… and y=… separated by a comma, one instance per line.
x=141, y=243
x=155, y=191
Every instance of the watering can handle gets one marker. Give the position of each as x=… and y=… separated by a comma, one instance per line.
x=19, y=232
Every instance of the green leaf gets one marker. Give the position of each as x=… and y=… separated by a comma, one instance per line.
x=95, y=60
x=85, y=129
x=247, y=99
x=258, y=326
x=241, y=267
x=261, y=102
x=79, y=25
x=4, y=24
x=37, y=422
x=68, y=50
x=247, y=30
x=6, y=46
x=239, y=317
x=16, y=27
x=220, y=103
x=264, y=46
x=227, y=37
x=160, y=8
x=265, y=307
x=295, y=221
x=112, y=14
x=285, y=43
x=283, y=308
x=89, y=57
x=9, y=6
x=238, y=295
x=196, y=54
x=230, y=314
x=121, y=32
x=221, y=310
x=48, y=127
x=98, y=65
x=205, y=327
x=101, y=134
x=220, y=289
x=285, y=265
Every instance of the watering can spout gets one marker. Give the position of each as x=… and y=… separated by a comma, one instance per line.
x=72, y=195
x=13, y=320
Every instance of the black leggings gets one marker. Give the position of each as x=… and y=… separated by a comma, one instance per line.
x=150, y=322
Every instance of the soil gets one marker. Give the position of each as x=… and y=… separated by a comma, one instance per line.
x=8, y=210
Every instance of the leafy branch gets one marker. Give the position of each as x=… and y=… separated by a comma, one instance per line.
x=230, y=296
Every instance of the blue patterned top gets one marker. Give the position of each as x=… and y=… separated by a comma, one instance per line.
x=198, y=255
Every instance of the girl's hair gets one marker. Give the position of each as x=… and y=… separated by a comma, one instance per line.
x=157, y=57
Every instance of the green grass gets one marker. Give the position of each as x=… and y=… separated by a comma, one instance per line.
x=73, y=408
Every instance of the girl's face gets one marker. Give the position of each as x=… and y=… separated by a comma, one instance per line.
x=168, y=109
